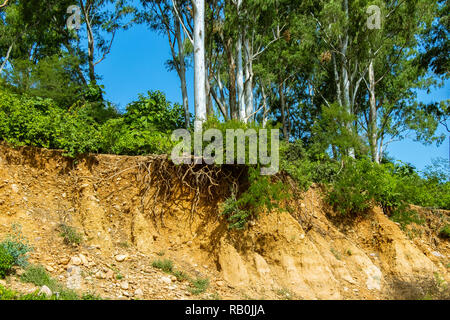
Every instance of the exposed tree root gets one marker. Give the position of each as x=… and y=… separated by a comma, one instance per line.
x=160, y=180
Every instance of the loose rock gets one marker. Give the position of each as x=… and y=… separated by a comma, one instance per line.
x=46, y=291
x=121, y=257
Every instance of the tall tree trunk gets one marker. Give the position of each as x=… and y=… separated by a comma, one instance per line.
x=199, y=64
x=345, y=77
x=248, y=85
x=6, y=58
x=182, y=72
x=372, y=129
x=337, y=81
x=232, y=81
x=91, y=42
x=240, y=68
x=283, y=110
x=266, y=110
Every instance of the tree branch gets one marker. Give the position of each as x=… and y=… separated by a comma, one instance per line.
x=4, y=4
x=182, y=23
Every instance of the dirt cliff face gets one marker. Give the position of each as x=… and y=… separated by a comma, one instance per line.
x=303, y=252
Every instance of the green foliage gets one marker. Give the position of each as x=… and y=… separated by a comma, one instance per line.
x=335, y=128
x=6, y=262
x=237, y=127
x=118, y=137
x=198, y=286
x=362, y=184
x=70, y=235
x=17, y=246
x=39, y=277
x=165, y=265
x=304, y=167
x=181, y=276
x=354, y=189
x=6, y=294
x=154, y=112
x=145, y=127
x=89, y=126
x=168, y=267
x=445, y=232
x=405, y=217
x=90, y=296
x=53, y=77
x=261, y=194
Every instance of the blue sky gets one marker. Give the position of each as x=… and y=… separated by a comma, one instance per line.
x=136, y=64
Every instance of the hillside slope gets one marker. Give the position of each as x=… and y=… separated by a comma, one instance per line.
x=305, y=252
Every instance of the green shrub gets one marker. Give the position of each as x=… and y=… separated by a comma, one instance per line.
x=6, y=262
x=165, y=265
x=70, y=235
x=118, y=137
x=39, y=277
x=90, y=296
x=261, y=194
x=445, y=232
x=306, y=168
x=181, y=276
x=236, y=127
x=6, y=294
x=405, y=217
x=355, y=188
x=90, y=127
x=199, y=286
x=16, y=245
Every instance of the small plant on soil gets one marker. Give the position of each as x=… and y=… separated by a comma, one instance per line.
x=70, y=234
x=445, y=232
x=90, y=296
x=199, y=286
x=285, y=294
x=165, y=265
x=124, y=244
x=336, y=254
x=119, y=276
x=38, y=276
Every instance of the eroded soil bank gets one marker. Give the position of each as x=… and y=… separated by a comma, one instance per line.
x=123, y=207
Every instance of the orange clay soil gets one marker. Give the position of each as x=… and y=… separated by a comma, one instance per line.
x=303, y=252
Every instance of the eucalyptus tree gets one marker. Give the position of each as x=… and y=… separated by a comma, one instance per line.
x=174, y=19
x=436, y=40
x=199, y=64
x=100, y=17
x=389, y=53
x=31, y=32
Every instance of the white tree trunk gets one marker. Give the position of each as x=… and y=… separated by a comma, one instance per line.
x=266, y=110
x=248, y=86
x=199, y=64
x=373, y=139
x=240, y=71
x=345, y=77
x=240, y=80
x=6, y=58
